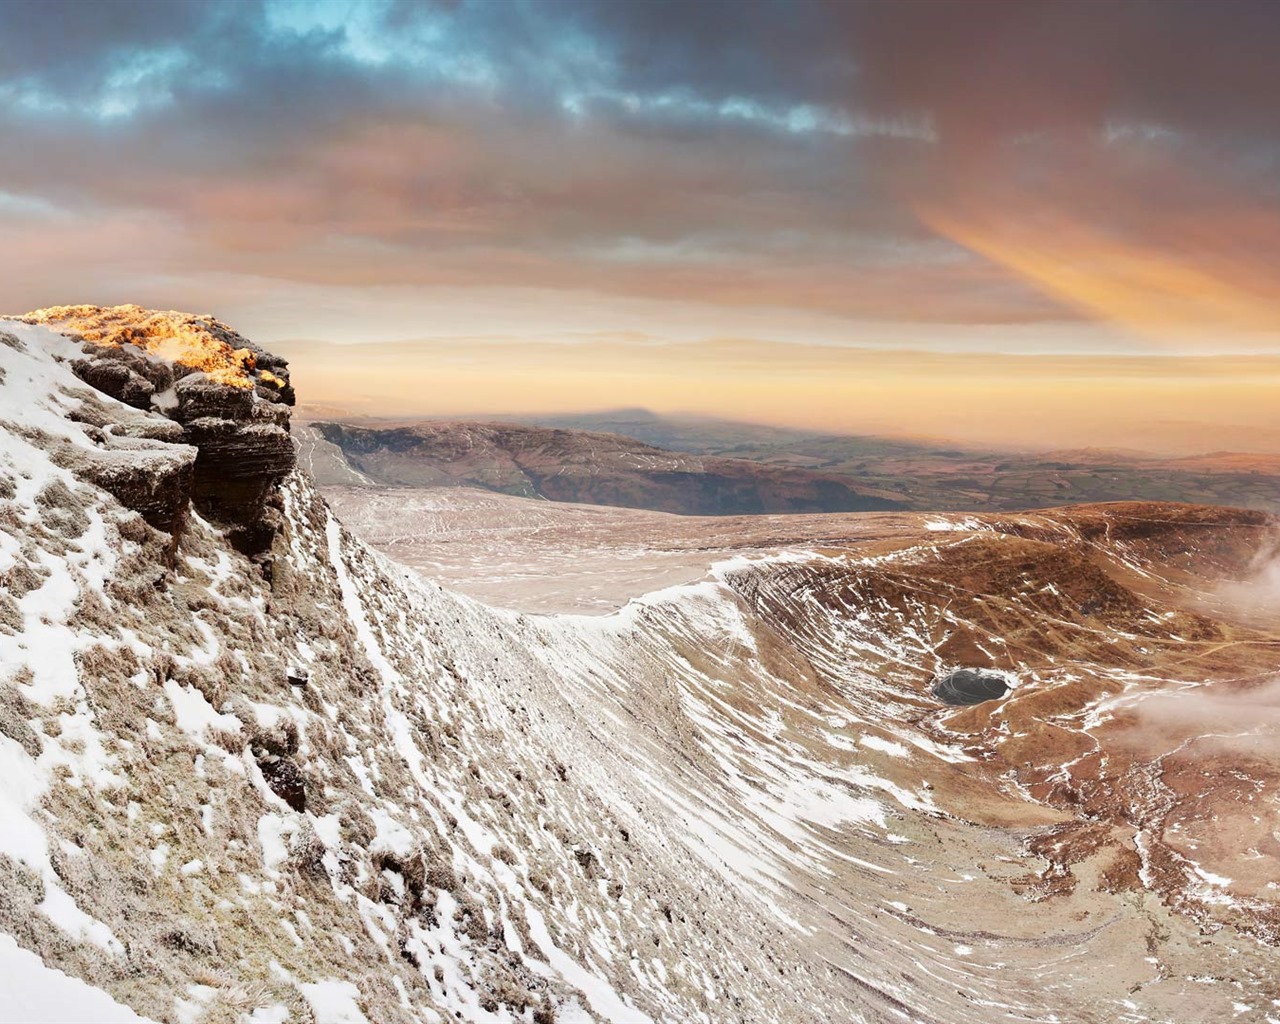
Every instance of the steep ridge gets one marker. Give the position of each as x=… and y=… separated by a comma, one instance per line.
x=422, y=827
x=313, y=786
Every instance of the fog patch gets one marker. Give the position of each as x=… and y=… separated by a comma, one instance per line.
x=1244, y=720
x=1257, y=596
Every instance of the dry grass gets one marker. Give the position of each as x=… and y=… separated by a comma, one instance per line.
x=187, y=799
x=118, y=705
x=16, y=714
x=62, y=510
x=11, y=619
x=306, y=855
x=23, y=577
x=356, y=826
x=91, y=613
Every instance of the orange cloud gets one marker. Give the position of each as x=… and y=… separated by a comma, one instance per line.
x=1158, y=292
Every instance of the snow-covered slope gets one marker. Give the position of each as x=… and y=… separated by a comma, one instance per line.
x=312, y=786
x=459, y=835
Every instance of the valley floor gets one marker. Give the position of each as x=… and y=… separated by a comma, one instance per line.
x=531, y=555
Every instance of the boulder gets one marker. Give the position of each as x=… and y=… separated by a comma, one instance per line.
x=152, y=478
x=285, y=779
x=115, y=378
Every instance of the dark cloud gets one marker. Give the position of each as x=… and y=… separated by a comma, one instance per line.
x=774, y=51
x=70, y=45
x=991, y=69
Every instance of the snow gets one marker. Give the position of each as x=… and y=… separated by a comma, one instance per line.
x=391, y=835
x=894, y=749
x=277, y=1014
x=966, y=525
x=1210, y=877
x=333, y=1001
x=328, y=827
x=20, y=836
x=48, y=645
x=828, y=806
x=193, y=713
x=274, y=833
x=32, y=993
x=573, y=1013
x=61, y=909
x=736, y=731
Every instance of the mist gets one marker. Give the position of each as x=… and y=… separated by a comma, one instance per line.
x=1258, y=595
x=1244, y=720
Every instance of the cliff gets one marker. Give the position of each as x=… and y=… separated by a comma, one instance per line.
x=229, y=399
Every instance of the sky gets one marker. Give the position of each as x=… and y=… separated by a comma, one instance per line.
x=755, y=209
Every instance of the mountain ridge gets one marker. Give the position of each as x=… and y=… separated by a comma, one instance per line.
x=599, y=468
x=727, y=469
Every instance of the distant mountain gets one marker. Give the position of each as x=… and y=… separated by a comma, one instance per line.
x=587, y=467
x=930, y=473
x=703, y=435
x=637, y=459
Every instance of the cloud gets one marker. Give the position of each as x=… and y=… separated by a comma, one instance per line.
x=1160, y=402
x=1118, y=158
x=1243, y=720
x=876, y=161
x=1157, y=291
x=1257, y=597
x=994, y=71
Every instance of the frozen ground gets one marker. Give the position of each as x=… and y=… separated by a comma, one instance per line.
x=541, y=556
x=31, y=993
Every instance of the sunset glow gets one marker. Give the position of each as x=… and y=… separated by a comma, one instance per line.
x=173, y=336
x=1158, y=295
x=678, y=207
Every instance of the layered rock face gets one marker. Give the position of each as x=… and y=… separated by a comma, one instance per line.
x=243, y=452
x=229, y=399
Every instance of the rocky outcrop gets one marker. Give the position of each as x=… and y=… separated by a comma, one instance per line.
x=285, y=779
x=243, y=452
x=140, y=459
x=228, y=398
x=153, y=479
